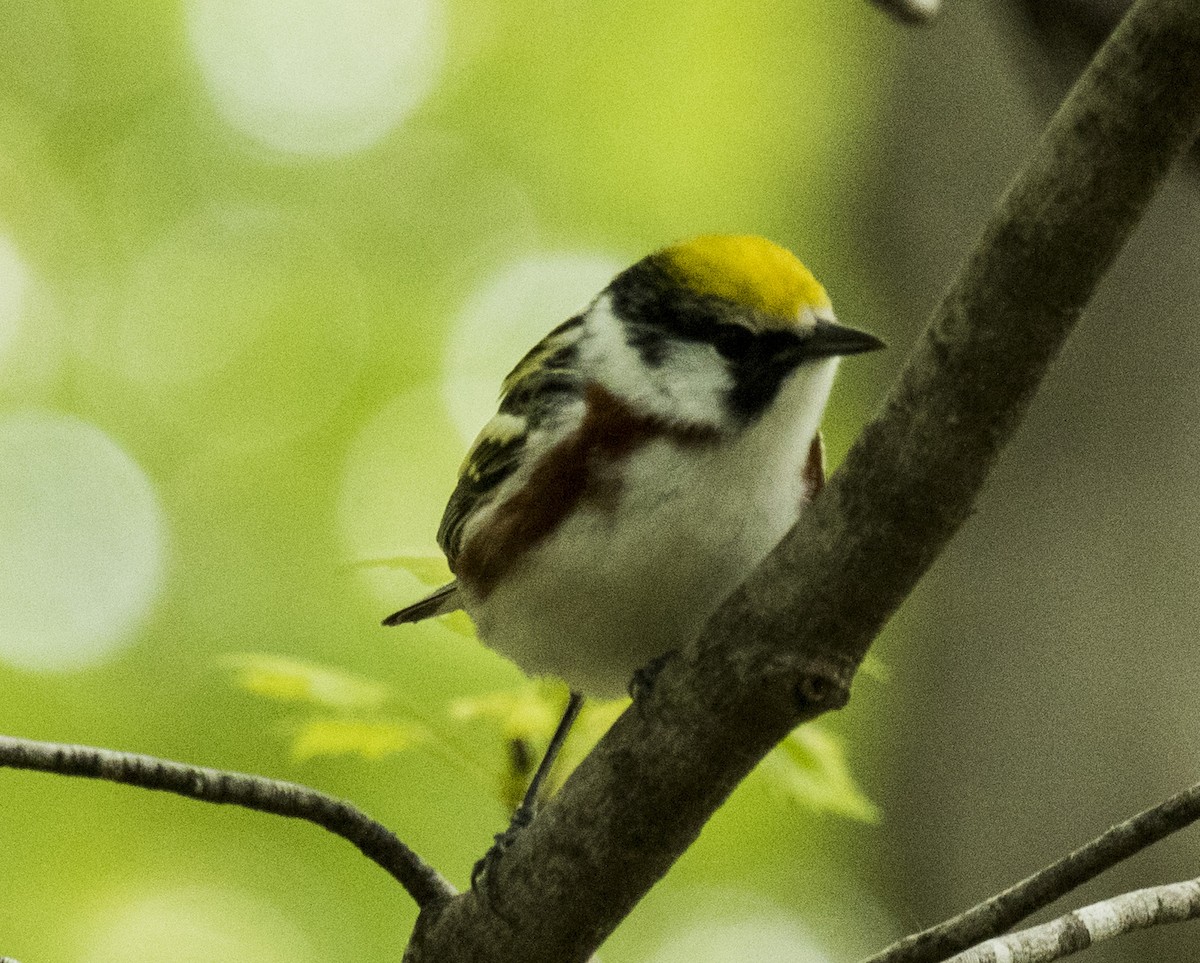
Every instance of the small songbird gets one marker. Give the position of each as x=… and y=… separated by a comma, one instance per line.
x=648, y=453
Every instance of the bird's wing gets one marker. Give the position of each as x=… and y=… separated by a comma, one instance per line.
x=813, y=473
x=535, y=391
x=441, y=601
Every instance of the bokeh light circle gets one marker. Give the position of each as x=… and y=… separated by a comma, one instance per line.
x=34, y=316
x=14, y=290
x=195, y=924
x=316, y=77
x=245, y=324
x=81, y=542
x=399, y=472
x=506, y=317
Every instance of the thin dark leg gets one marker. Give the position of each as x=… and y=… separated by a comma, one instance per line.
x=525, y=812
x=530, y=802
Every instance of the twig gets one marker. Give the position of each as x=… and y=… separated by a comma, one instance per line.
x=1139, y=910
x=280, y=798
x=911, y=11
x=1004, y=910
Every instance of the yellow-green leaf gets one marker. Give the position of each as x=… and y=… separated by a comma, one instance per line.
x=293, y=680
x=526, y=718
x=595, y=719
x=809, y=766
x=875, y=668
x=529, y=713
x=458, y=622
x=345, y=737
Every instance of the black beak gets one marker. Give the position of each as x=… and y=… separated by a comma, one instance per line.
x=830, y=339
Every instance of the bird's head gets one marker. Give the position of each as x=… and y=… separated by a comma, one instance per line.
x=711, y=330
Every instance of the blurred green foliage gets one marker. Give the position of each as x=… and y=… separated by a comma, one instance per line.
x=809, y=767
x=237, y=241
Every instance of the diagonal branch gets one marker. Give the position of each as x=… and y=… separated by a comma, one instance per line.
x=1002, y=911
x=1139, y=910
x=274, y=796
x=785, y=646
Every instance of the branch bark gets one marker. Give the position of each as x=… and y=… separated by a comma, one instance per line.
x=1004, y=910
x=785, y=646
x=1139, y=910
x=273, y=796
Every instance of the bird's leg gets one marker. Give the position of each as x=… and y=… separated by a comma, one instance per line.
x=529, y=805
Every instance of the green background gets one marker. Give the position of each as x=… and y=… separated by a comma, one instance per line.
x=250, y=249
x=262, y=264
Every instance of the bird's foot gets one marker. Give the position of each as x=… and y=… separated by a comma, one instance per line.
x=644, y=678
x=521, y=818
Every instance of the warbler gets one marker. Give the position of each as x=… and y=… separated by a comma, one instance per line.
x=647, y=454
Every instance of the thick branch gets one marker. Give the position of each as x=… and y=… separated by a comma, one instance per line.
x=377, y=842
x=1139, y=910
x=1004, y=910
x=785, y=646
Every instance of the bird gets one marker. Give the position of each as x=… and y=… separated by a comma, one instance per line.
x=647, y=454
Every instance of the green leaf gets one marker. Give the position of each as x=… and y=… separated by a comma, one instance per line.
x=809, y=767
x=529, y=713
x=458, y=622
x=354, y=737
x=875, y=668
x=292, y=680
x=526, y=719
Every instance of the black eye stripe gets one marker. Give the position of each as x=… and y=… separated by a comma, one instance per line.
x=649, y=342
x=736, y=342
x=776, y=342
x=733, y=341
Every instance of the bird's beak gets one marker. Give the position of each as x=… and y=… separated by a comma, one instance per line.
x=830, y=339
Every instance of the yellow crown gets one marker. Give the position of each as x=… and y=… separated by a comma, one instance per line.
x=748, y=270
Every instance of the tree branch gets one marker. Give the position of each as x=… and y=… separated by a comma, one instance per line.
x=1004, y=910
x=785, y=646
x=1139, y=910
x=274, y=796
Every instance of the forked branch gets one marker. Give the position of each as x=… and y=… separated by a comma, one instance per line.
x=274, y=796
x=1075, y=931
x=1004, y=910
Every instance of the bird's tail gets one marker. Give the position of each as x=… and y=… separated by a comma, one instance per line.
x=441, y=601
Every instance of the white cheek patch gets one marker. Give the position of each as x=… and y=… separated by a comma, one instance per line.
x=698, y=383
x=691, y=385
x=791, y=422
x=609, y=358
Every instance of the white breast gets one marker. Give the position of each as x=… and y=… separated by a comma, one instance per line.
x=613, y=587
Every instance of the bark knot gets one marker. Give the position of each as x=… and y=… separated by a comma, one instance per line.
x=824, y=686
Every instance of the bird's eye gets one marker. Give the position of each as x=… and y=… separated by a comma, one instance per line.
x=734, y=342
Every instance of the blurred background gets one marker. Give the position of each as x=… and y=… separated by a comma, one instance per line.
x=262, y=266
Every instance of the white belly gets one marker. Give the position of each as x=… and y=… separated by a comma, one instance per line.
x=615, y=586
